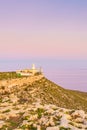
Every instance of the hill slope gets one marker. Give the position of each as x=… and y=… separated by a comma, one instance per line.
x=38, y=87
x=35, y=103
x=51, y=93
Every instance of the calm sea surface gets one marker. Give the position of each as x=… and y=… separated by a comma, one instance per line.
x=70, y=74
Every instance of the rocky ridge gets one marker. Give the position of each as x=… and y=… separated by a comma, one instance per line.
x=35, y=103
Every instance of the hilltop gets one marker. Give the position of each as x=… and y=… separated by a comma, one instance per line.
x=36, y=102
x=43, y=89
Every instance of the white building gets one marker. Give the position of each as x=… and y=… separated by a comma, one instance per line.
x=29, y=72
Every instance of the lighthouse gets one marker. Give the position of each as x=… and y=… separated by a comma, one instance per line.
x=30, y=72
x=33, y=67
x=34, y=70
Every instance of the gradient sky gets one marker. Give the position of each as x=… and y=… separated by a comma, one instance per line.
x=43, y=28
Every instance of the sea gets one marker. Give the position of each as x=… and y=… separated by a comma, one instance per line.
x=70, y=74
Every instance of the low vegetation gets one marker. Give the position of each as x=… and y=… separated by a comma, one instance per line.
x=8, y=75
x=36, y=103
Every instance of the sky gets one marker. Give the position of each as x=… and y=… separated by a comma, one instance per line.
x=43, y=29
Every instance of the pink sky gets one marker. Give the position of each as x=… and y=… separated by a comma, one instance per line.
x=43, y=29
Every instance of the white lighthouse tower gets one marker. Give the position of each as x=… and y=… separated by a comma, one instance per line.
x=33, y=67
x=34, y=70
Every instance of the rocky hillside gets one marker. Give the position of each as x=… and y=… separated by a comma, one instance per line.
x=31, y=103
